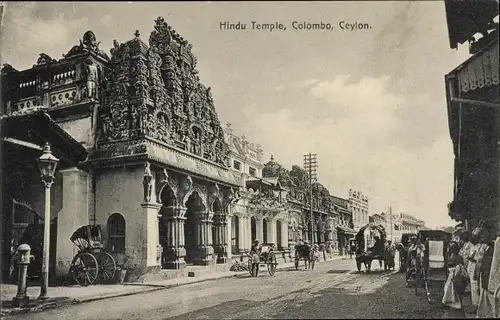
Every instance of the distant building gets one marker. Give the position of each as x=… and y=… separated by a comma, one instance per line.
x=391, y=224
x=344, y=223
x=358, y=205
x=410, y=224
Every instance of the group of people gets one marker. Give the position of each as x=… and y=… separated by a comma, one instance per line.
x=413, y=257
x=469, y=264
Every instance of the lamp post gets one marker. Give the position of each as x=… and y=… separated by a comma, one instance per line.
x=47, y=164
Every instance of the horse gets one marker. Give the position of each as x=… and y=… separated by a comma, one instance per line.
x=304, y=251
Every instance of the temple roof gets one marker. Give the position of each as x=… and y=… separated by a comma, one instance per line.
x=271, y=168
x=35, y=126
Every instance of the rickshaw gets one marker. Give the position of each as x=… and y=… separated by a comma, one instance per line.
x=92, y=262
x=435, y=258
x=304, y=252
x=267, y=258
x=376, y=252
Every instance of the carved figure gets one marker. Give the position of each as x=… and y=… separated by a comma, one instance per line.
x=92, y=75
x=44, y=59
x=147, y=182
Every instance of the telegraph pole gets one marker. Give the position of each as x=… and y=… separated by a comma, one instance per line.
x=310, y=167
x=390, y=215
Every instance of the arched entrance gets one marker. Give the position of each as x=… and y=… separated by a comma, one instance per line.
x=253, y=227
x=194, y=206
x=278, y=235
x=168, y=201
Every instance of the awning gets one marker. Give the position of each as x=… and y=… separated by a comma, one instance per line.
x=468, y=17
x=346, y=230
x=36, y=128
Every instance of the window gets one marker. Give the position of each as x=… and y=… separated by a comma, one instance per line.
x=116, y=232
x=252, y=171
x=237, y=165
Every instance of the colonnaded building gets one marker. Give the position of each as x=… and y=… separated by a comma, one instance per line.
x=143, y=155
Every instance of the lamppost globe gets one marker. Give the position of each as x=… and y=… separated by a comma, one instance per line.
x=47, y=164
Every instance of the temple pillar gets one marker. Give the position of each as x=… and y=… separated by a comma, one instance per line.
x=220, y=237
x=74, y=214
x=173, y=247
x=229, y=236
x=259, y=227
x=248, y=233
x=271, y=231
x=150, y=213
x=284, y=234
x=241, y=235
x=205, y=248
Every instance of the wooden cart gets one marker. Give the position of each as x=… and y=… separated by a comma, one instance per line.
x=92, y=263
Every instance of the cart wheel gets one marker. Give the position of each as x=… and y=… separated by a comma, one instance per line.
x=85, y=269
x=271, y=264
x=107, y=266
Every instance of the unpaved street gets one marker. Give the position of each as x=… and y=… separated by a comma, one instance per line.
x=332, y=290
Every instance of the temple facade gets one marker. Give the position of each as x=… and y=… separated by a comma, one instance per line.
x=260, y=209
x=143, y=154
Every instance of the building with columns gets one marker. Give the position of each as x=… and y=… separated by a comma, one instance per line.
x=312, y=221
x=142, y=155
x=410, y=224
x=359, y=207
x=260, y=210
x=344, y=223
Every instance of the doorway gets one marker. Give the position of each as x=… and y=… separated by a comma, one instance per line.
x=253, y=222
x=194, y=205
x=278, y=235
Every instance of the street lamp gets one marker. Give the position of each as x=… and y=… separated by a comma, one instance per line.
x=47, y=164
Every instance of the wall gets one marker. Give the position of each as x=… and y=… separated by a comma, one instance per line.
x=80, y=130
x=121, y=191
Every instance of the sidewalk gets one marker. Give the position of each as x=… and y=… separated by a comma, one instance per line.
x=63, y=296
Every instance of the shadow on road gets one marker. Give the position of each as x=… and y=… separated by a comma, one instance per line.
x=373, y=272
x=338, y=271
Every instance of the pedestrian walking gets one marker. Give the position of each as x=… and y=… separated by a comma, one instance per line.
x=456, y=274
x=390, y=255
x=472, y=258
x=486, y=303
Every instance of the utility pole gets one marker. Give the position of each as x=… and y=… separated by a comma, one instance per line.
x=310, y=167
x=390, y=215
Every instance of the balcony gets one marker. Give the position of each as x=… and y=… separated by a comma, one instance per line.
x=475, y=82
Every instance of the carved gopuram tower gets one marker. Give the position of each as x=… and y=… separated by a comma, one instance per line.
x=161, y=156
x=142, y=152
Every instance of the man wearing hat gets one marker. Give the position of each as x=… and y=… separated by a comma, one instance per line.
x=415, y=252
x=255, y=256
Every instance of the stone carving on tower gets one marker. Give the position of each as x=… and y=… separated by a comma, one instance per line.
x=154, y=91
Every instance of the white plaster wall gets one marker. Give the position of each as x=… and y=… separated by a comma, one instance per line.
x=121, y=191
x=80, y=130
x=73, y=215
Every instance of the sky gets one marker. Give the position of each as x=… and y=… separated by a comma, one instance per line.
x=370, y=103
